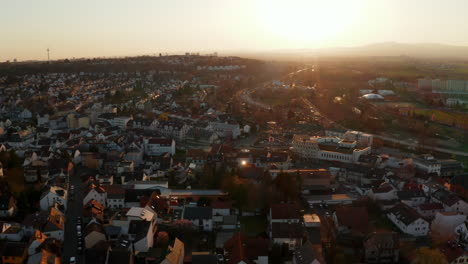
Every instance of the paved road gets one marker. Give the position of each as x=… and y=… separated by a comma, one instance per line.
x=75, y=209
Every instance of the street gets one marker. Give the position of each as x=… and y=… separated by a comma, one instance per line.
x=75, y=209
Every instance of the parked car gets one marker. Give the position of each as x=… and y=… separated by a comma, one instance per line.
x=220, y=258
x=72, y=260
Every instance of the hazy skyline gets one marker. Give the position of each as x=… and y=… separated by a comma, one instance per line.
x=90, y=28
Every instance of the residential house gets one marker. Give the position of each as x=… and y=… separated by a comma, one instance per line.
x=450, y=201
x=385, y=192
x=450, y=168
x=14, y=253
x=382, y=247
x=142, y=233
x=429, y=210
x=196, y=156
x=134, y=153
x=308, y=254
x=445, y=223
x=159, y=146
x=408, y=220
x=145, y=123
x=287, y=233
x=52, y=195
x=412, y=198
x=96, y=192
x=225, y=130
x=285, y=213
x=11, y=231
x=43, y=249
x=93, y=233
x=115, y=196
x=94, y=210
x=220, y=209
x=453, y=252
x=242, y=249
x=176, y=253
x=427, y=163
x=271, y=159
x=315, y=180
x=202, y=136
x=201, y=217
x=353, y=220
x=55, y=225
x=173, y=129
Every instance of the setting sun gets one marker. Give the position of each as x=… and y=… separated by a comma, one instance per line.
x=304, y=21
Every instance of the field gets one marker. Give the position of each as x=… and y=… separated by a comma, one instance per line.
x=447, y=118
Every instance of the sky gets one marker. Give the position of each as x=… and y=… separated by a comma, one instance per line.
x=98, y=28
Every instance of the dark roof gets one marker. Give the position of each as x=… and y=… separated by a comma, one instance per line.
x=405, y=214
x=198, y=212
x=204, y=259
x=286, y=230
x=460, y=180
x=314, y=235
x=115, y=191
x=383, y=240
x=408, y=194
x=95, y=255
x=431, y=206
x=94, y=227
x=160, y=141
x=138, y=228
x=135, y=195
x=446, y=197
x=119, y=256
x=305, y=254
x=285, y=211
x=355, y=218
x=251, y=172
x=247, y=249
x=14, y=249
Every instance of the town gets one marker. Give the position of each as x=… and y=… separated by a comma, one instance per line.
x=201, y=158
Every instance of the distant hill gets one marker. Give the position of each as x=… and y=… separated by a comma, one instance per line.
x=400, y=49
x=422, y=50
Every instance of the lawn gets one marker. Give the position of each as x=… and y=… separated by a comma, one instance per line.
x=254, y=224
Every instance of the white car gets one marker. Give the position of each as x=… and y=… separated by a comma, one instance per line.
x=72, y=260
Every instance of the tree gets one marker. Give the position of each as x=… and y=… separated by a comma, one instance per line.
x=207, y=178
x=287, y=186
x=162, y=239
x=425, y=255
x=204, y=201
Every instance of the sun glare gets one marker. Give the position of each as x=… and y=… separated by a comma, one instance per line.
x=305, y=21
